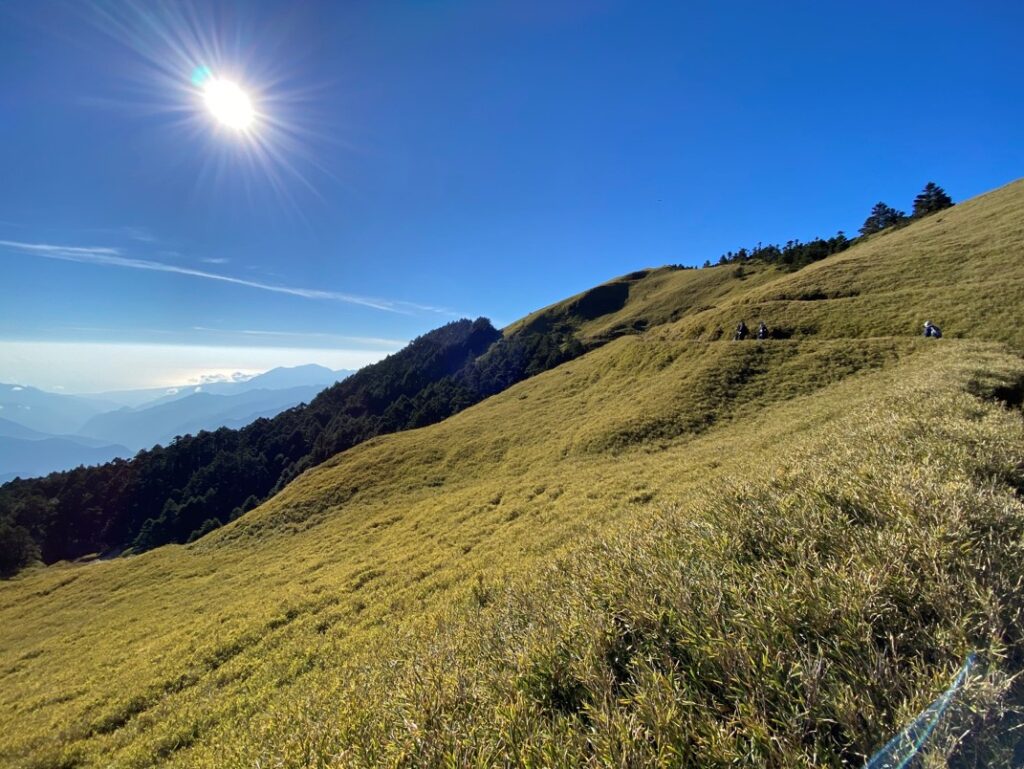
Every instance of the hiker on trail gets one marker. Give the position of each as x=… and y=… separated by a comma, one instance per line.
x=742, y=332
x=762, y=331
x=931, y=330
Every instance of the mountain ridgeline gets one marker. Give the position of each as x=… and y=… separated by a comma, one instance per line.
x=673, y=549
x=179, y=492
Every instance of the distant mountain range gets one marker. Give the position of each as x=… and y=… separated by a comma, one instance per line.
x=160, y=422
x=26, y=452
x=276, y=379
x=52, y=413
x=41, y=432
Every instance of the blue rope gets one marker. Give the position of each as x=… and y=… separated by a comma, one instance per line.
x=902, y=748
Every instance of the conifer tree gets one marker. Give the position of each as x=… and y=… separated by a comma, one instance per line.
x=882, y=216
x=932, y=198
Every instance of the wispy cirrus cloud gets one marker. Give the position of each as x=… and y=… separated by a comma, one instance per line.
x=139, y=234
x=310, y=335
x=46, y=249
x=114, y=257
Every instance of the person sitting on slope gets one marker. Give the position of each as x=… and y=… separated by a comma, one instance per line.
x=742, y=332
x=931, y=330
x=762, y=330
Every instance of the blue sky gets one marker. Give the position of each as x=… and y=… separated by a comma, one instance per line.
x=418, y=161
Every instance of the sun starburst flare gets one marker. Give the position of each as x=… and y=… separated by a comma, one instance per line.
x=214, y=71
x=228, y=103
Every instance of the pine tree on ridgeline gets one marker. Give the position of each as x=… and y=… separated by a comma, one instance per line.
x=882, y=217
x=932, y=198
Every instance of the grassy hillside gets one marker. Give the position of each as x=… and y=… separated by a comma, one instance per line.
x=671, y=551
x=638, y=301
x=960, y=268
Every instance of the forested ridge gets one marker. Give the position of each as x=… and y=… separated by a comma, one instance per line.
x=198, y=483
x=795, y=254
x=178, y=492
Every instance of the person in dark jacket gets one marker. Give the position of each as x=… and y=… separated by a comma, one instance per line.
x=931, y=330
x=742, y=332
x=762, y=330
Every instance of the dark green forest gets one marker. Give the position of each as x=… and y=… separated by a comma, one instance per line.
x=179, y=492
x=795, y=254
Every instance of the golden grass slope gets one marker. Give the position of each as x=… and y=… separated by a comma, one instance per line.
x=794, y=615
x=211, y=654
x=960, y=268
x=643, y=299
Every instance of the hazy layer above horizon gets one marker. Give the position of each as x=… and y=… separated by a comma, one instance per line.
x=92, y=367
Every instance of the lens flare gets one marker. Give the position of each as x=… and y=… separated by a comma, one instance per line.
x=228, y=103
x=201, y=67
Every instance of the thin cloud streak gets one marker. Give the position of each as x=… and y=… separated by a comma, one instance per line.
x=113, y=257
x=46, y=249
x=305, y=334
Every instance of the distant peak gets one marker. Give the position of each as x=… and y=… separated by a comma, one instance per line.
x=302, y=367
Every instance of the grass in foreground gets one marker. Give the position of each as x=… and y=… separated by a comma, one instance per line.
x=798, y=618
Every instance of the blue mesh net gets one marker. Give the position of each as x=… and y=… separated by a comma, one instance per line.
x=901, y=750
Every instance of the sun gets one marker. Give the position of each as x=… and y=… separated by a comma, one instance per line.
x=224, y=99
x=228, y=103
